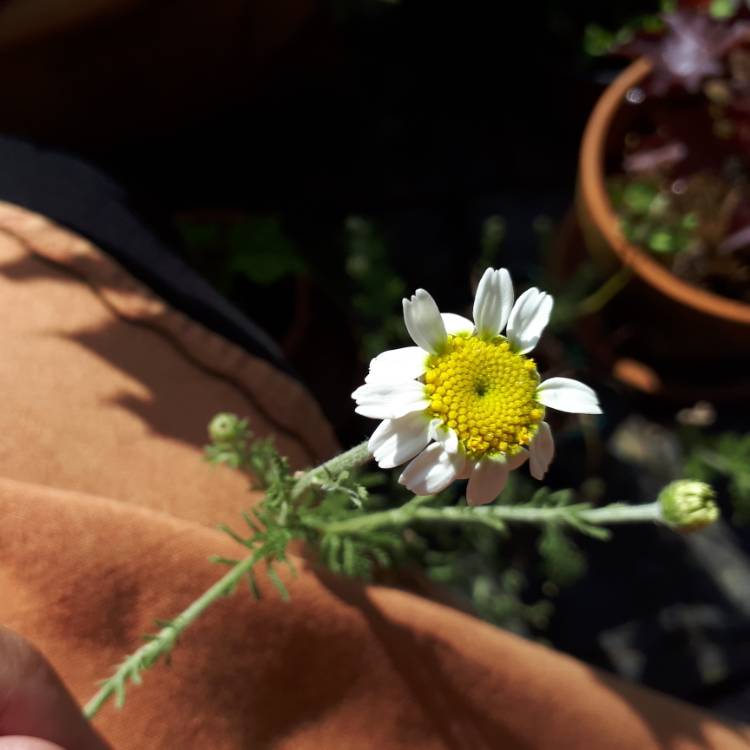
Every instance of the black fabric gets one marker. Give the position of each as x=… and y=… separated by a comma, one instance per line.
x=80, y=197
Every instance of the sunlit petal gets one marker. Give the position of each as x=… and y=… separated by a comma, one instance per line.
x=397, y=365
x=424, y=323
x=493, y=302
x=398, y=440
x=487, y=481
x=566, y=394
x=456, y=323
x=541, y=451
x=528, y=319
x=431, y=471
x=389, y=400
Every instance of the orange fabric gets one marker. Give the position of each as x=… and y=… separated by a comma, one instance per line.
x=107, y=512
x=99, y=377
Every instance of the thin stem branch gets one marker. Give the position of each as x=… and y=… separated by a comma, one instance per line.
x=605, y=293
x=356, y=456
x=165, y=639
x=494, y=515
x=621, y=513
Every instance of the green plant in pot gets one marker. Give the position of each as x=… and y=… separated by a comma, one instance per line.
x=664, y=191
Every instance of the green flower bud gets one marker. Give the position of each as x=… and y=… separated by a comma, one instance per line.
x=688, y=505
x=226, y=427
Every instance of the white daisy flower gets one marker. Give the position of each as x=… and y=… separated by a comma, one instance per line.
x=466, y=402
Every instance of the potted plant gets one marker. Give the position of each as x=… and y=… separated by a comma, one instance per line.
x=664, y=188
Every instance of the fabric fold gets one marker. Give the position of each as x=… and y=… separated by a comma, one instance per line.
x=341, y=665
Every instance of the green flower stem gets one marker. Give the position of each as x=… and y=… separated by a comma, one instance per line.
x=620, y=513
x=354, y=457
x=497, y=515
x=165, y=639
x=605, y=293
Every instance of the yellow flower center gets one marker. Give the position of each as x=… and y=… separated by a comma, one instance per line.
x=486, y=392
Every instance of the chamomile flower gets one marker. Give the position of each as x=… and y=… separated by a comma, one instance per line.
x=467, y=402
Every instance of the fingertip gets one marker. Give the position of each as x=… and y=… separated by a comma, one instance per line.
x=27, y=743
x=35, y=704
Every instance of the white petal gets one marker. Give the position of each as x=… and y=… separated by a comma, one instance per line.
x=446, y=436
x=456, y=323
x=528, y=319
x=432, y=470
x=493, y=302
x=398, y=440
x=518, y=460
x=566, y=394
x=424, y=323
x=465, y=471
x=542, y=451
x=397, y=365
x=487, y=481
x=389, y=400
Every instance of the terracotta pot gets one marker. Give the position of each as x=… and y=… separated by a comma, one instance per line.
x=675, y=321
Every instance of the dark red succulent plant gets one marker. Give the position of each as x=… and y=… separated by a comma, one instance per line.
x=692, y=47
x=703, y=5
x=682, y=189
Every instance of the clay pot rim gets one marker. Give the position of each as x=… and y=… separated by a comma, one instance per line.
x=601, y=212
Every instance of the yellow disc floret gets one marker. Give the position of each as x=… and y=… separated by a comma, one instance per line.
x=486, y=392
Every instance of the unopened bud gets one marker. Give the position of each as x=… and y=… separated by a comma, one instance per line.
x=688, y=505
x=225, y=427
